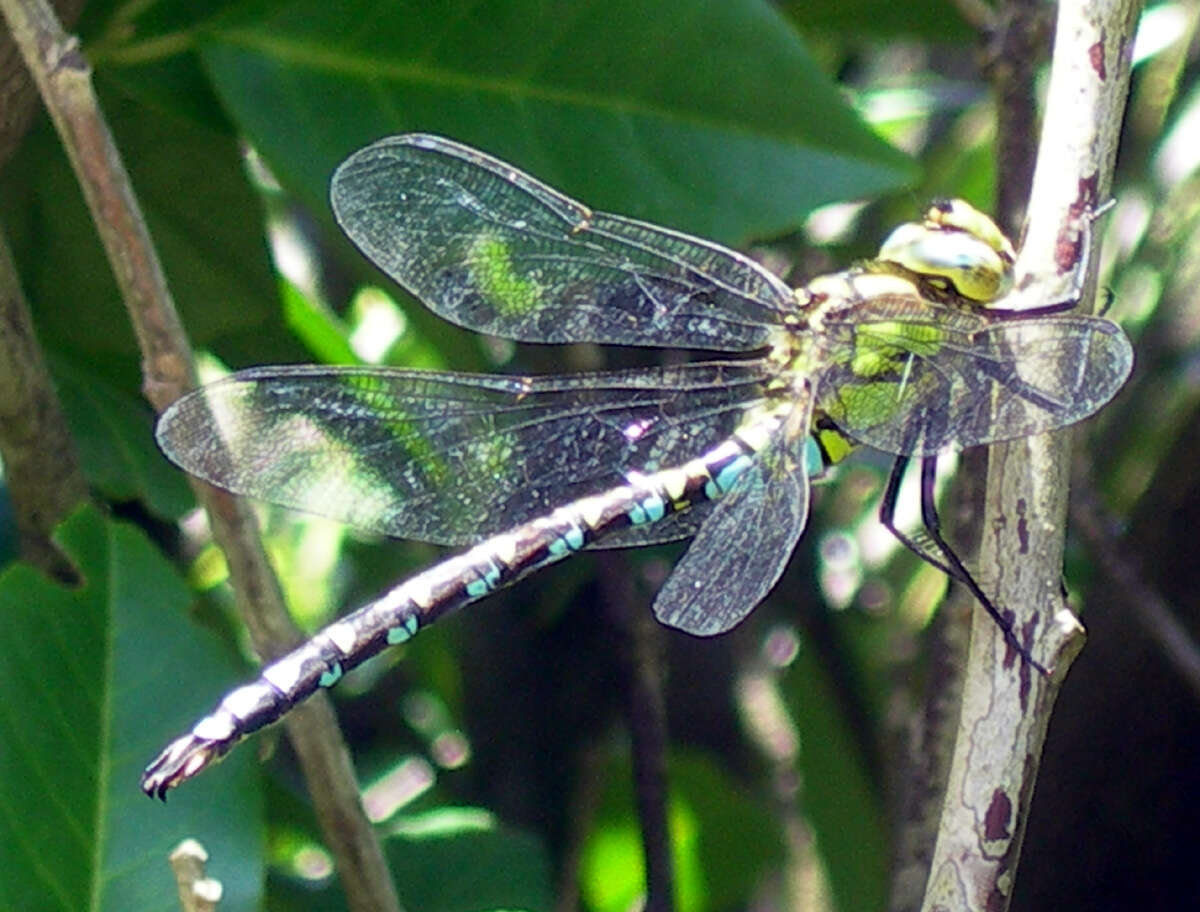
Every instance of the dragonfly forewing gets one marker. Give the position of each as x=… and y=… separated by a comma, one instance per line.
x=491, y=248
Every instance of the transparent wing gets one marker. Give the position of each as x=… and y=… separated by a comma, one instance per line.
x=490, y=248
x=907, y=376
x=447, y=457
x=744, y=545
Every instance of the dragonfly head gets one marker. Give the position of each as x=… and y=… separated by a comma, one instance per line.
x=955, y=244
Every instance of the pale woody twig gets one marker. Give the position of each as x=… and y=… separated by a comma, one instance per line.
x=1006, y=708
x=197, y=893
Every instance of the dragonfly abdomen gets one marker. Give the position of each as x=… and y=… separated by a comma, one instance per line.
x=448, y=586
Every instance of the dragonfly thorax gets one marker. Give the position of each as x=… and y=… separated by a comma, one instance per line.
x=956, y=256
x=826, y=306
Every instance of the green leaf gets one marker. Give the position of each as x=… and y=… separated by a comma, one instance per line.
x=462, y=859
x=450, y=859
x=724, y=839
x=322, y=332
x=708, y=117
x=205, y=221
x=840, y=799
x=869, y=19
x=148, y=50
x=94, y=682
x=112, y=431
x=739, y=838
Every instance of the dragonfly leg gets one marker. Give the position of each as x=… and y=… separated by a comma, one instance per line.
x=931, y=547
x=1083, y=225
x=919, y=542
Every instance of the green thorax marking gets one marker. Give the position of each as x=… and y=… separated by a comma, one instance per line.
x=881, y=349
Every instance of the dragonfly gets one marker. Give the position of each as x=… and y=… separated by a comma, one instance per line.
x=911, y=353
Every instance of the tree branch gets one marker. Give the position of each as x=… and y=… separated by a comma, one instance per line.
x=45, y=480
x=197, y=893
x=1006, y=706
x=63, y=78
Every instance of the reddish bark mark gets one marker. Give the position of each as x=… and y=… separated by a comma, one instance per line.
x=1028, y=631
x=1011, y=656
x=1067, y=250
x=1028, y=628
x=1069, y=246
x=1096, y=57
x=1022, y=526
x=996, y=901
x=999, y=812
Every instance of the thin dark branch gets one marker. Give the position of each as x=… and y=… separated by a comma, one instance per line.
x=41, y=467
x=1145, y=604
x=1016, y=47
x=642, y=667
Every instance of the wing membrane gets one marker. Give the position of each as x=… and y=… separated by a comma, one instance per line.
x=917, y=378
x=446, y=457
x=491, y=248
x=744, y=545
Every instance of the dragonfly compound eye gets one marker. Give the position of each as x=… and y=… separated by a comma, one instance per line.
x=977, y=262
